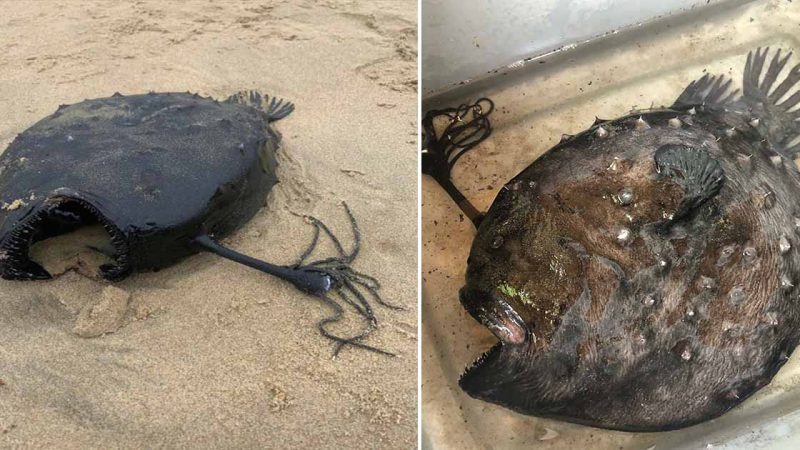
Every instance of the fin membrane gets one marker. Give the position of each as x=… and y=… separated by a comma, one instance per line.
x=779, y=117
x=710, y=90
x=700, y=175
x=275, y=108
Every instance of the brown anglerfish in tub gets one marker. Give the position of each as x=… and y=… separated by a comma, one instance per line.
x=642, y=275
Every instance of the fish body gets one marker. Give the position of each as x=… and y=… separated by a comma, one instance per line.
x=156, y=170
x=642, y=274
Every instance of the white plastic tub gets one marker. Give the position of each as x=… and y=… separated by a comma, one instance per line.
x=536, y=102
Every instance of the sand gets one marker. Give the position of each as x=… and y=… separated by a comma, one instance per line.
x=535, y=105
x=207, y=353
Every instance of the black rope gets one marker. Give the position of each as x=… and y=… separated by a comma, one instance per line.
x=348, y=286
x=468, y=125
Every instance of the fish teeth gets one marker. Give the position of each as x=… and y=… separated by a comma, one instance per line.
x=674, y=122
x=601, y=132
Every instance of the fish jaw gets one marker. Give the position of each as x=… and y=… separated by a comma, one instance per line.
x=61, y=211
x=497, y=315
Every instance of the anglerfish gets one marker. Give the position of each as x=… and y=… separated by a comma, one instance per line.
x=642, y=275
x=166, y=175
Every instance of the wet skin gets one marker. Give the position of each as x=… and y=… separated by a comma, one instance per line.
x=641, y=275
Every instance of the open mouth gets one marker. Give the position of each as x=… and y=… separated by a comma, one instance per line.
x=495, y=368
x=481, y=359
x=54, y=217
x=477, y=377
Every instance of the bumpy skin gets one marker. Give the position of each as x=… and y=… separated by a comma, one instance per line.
x=156, y=169
x=641, y=275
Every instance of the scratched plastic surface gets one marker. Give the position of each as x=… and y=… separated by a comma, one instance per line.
x=562, y=93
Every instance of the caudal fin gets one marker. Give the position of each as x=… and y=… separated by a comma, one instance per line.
x=775, y=109
x=275, y=108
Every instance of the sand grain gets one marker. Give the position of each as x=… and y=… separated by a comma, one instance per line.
x=211, y=354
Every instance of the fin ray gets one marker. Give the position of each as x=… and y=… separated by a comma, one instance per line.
x=791, y=79
x=700, y=175
x=775, y=68
x=275, y=108
x=779, y=119
x=707, y=90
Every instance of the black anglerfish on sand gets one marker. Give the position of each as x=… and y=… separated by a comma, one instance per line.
x=165, y=175
x=642, y=275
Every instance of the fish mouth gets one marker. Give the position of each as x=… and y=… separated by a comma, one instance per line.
x=472, y=379
x=54, y=216
x=499, y=374
x=487, y=376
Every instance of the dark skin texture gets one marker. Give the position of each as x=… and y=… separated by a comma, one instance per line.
x=157, y=170
x=166, y=175
x=163, y=173
x=653, y=311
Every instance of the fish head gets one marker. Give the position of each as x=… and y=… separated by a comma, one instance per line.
x=522, y=274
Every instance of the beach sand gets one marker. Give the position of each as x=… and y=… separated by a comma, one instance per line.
x=208, y=353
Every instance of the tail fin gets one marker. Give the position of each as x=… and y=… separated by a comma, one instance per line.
x=276, y=109
x=779, y=119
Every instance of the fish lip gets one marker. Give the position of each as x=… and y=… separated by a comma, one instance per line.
x=15, y=263
x=494, y=368
x=497, y=315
